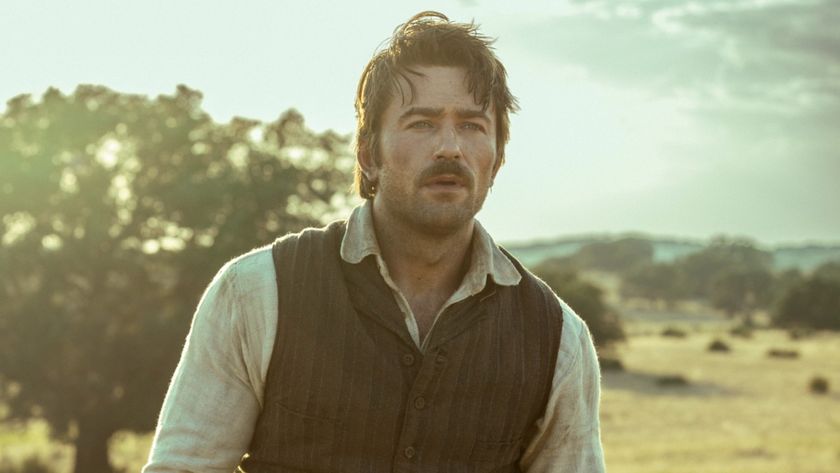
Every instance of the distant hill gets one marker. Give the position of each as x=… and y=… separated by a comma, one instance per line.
x=802, y=257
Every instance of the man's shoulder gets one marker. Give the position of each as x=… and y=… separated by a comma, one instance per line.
x=531, y=282
x=309, y=235
x=257, y=265
x=573, y=324
x=247, y=271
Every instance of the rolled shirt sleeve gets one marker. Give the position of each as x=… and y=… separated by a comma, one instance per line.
x=568, y=437
x=215, y=395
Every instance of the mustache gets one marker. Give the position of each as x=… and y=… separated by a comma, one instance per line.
x=444, y=167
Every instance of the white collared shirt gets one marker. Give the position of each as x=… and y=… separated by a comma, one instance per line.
x=216, y=393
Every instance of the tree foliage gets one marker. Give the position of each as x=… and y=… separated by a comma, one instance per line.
x=699, y=271
x=116, y=210
x=732, y=274
x=741, y=290
x=812, y=304
x=656, y=281
x=829, y=271
x=809, y=302
x=619, y=256
x=586, y=299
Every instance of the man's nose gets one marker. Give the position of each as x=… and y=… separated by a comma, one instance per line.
x=449, y=146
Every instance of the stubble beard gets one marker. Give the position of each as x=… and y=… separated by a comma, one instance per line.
x=431, y=216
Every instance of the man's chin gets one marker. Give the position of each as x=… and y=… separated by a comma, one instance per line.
x=442, y=219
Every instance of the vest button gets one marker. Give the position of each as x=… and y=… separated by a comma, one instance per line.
x=408, y=359
x=409, y=452
x=419, y=402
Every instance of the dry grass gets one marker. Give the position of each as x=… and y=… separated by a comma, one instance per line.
x=741, y=412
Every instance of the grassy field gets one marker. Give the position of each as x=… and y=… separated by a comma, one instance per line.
x=740, y=411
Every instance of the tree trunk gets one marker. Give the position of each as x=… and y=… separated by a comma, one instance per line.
x=92, y=448
x=748, y=319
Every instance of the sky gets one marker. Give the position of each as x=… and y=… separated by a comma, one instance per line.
x=675, y=118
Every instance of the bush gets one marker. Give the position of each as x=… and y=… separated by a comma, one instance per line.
x=781, y=353
x=674, y=332
x=586, y=299
x=718, y=346
x=818, y=385
x=672, y=380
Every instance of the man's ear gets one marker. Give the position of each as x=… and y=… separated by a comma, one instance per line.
x=500, y=159
x=367, y=163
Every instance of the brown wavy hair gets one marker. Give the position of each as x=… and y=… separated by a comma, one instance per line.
x=429, y=39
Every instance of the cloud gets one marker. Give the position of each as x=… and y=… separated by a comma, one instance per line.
x=758, y=83
x=779, y=57
x=783, y=55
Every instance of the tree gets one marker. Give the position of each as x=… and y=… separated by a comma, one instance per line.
x=829, y=271
x=699, y=270
x=741, y=290
x=587, y=301
x=116, y=211
x=618, y=256
x=656, y=281
x=814, y=303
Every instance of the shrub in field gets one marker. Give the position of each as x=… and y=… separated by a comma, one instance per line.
x=669, y=380
x=586, y=299
x=782, y=353
x=818, y=385
x=674, y=332
x=718, y=346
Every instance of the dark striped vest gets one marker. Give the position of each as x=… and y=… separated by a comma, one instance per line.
x=347, y=390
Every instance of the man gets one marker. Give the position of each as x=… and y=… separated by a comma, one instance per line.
x=402, y=339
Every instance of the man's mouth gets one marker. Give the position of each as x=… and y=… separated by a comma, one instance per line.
x=446, y=181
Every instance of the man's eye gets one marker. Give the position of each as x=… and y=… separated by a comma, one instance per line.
x=473, y=126
x=420, y=124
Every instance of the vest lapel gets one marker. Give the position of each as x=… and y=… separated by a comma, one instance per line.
x=371, y=297
x=461, y=316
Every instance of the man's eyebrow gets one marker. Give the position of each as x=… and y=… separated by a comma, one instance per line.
x=472, y=113
x=422, y=111
x=431, y=112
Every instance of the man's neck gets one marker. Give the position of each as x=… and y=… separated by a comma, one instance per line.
x=423, y=263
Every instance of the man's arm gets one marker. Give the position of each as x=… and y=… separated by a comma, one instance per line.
x=569, y=434
x=215, y=395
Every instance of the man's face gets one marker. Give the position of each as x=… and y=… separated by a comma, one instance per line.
x=437, y=154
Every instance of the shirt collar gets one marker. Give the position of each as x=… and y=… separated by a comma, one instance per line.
x=486, y=260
